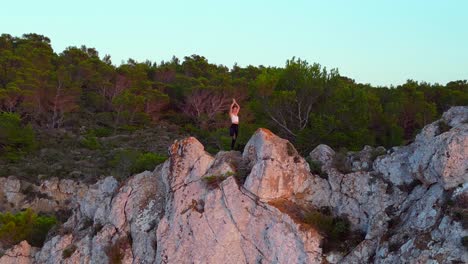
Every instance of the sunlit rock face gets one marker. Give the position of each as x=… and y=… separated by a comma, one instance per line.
x=224, y=223
x=409, y=203
x=22, y=253
x=277, y=170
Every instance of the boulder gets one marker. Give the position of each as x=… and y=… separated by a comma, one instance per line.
x=22, y=253
x=278, y=171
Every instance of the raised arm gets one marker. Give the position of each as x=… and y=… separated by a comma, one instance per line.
x=232, y=105
x=235, y=103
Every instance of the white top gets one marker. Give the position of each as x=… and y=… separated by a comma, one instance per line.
x=235, y=119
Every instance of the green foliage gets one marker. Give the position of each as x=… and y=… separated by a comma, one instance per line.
x=68, y=251
x=100, y=132
x=334, y=227
x=443, y=127
x=15, y=139
x=129, y=161
x=464, y=241
x=303, y=102
x=341, y=161
x=213, y=181
x=242, y=171
x=336, y=230
x=376, y=153
x=25, y=225
x=316, y=168
x=338, y=236
x=147, y=161
x=90, y=142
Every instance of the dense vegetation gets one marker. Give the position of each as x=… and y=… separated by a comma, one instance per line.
x=25, y=225
x=79, y=92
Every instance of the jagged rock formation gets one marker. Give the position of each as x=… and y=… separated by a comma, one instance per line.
x=410, y=204
x=22, y=253
x=50, y=196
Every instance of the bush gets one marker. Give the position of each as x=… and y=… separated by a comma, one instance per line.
x=147, y=161
x=123, y=162
x=340, y=161
x=465, y=241
x=25, y=225
x=443, y=127
x=377, y=152
x=316, y=168
x=100, y=132
x=130, y=161
x=105, y=119
x=90, y=142
x=213, y=181
x=128, y=128
x=68, y=251
x=335, y=228
x=242, y=171
x=15, y=139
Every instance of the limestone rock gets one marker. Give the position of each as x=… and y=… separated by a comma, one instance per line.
x=435, y=156
x=278, y=171
x=231, y=224
x=407, y=203
x=323, y=154
x=22, y=253
x=456, y=116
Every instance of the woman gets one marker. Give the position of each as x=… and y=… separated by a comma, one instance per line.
x=234, y=129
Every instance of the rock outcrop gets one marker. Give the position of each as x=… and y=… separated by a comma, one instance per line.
x=22, y=253
x=51, y=195
x=273, y=161
x=230, y=223
x=409, y=203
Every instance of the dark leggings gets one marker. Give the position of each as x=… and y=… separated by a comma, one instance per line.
x=233, y=132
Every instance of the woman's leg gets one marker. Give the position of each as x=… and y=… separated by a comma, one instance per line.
x=233, y=141
x=233, y=132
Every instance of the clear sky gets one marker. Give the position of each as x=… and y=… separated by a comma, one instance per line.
x=381, y=42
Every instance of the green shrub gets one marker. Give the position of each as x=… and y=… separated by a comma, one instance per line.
x=123, y=162
x=242, y=171
x=336, y=230
x=129, y=128
x=90, y=142
x=213, y=181
x=465, y=241
x=340, y=161
x=147, y=161
x=100, y=132
x=105, y=119
x=443, y=127
x=68, y=251
x=130, y=161
x=316, y=168
x=25, y=225
x=15, y=139
x=377, y=152
x=333, y=227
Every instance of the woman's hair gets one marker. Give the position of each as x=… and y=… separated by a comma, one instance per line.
x=235, y=106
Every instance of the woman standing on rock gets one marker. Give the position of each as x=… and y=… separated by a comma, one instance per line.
x=234, y=129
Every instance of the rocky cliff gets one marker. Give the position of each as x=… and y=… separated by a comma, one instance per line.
x=267, y=205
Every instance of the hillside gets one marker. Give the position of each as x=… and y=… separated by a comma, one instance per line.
x=267, y=204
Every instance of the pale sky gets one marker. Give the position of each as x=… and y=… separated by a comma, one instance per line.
x=381, y=42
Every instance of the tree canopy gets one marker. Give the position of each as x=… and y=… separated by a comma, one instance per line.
x=301, y=101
